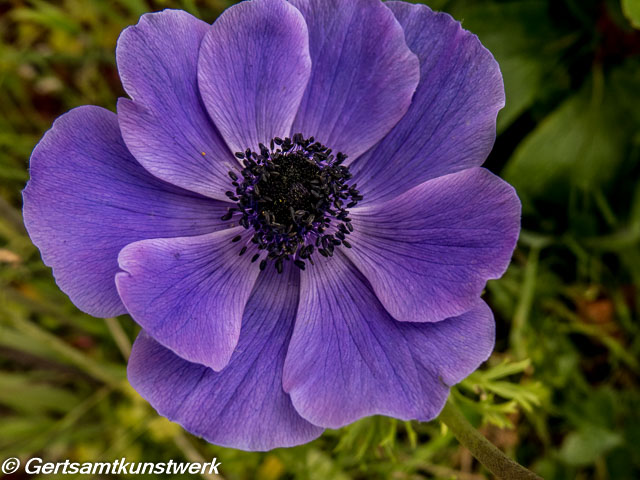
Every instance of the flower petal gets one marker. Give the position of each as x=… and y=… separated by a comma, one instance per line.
x=189, y=293
x=348, y=358
x=253, y=68
x=166, y=126
x=429, y=252
x=451, y=124
x=88, y=197
x=363, y=74
x=244, y=405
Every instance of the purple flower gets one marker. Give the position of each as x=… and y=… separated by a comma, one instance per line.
x=291, y=206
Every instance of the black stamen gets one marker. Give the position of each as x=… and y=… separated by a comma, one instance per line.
x=228, y=215
x=295, y=197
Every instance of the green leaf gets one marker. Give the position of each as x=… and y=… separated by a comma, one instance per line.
x=490, y=411
x=631, y=9
x=16, y=429
x=23, y=394
x=584, y=446
x=505, y=369
x=48, y=16
x=569, y=149
x=364, y=435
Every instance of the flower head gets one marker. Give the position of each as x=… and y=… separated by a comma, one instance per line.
x=290, y=204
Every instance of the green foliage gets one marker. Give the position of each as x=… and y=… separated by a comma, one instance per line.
x=631, y=9
x=494, y=382
x=559, y=394
x=566, y=153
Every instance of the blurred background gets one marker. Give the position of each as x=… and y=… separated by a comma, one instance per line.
x=561, y=391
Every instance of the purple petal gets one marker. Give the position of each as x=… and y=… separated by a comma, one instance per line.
x=244, y=405
x=451, y=124
x=429, y=252
x=253, y=68
x=88, y=198
x=189, y=293
x=363, y=74
x=166, y=126
x=348, y=358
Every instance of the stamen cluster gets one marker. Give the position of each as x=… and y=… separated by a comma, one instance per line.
x=294, y=196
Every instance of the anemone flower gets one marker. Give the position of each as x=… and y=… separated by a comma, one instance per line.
x=291, y=206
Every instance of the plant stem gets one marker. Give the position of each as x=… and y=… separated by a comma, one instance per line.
x=484, y=451
x=525, y=302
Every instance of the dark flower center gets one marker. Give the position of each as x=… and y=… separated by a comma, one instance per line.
x=294, y=196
